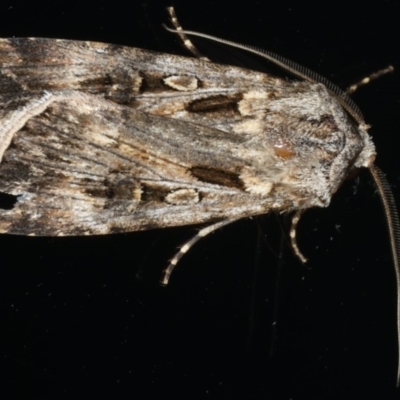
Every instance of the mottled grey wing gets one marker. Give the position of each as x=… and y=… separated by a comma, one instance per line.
x=82, y=159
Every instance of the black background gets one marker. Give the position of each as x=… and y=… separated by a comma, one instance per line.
x=77, y=321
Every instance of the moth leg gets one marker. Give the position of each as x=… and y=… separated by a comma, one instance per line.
x=292, y=234
x=188, y=245
x=185, y=40
x=375, y=75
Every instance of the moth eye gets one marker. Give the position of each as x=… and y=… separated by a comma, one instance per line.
x=283, y=148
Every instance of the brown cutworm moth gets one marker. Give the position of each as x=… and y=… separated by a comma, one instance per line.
x=97, y=138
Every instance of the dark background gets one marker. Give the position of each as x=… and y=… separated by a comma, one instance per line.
x=241, y=318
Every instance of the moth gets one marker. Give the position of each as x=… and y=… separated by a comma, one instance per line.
x=98, y=139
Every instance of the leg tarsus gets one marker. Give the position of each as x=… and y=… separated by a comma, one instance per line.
x=185, y=40
x=188, y=245
x=375, y=75
x=292, y=234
